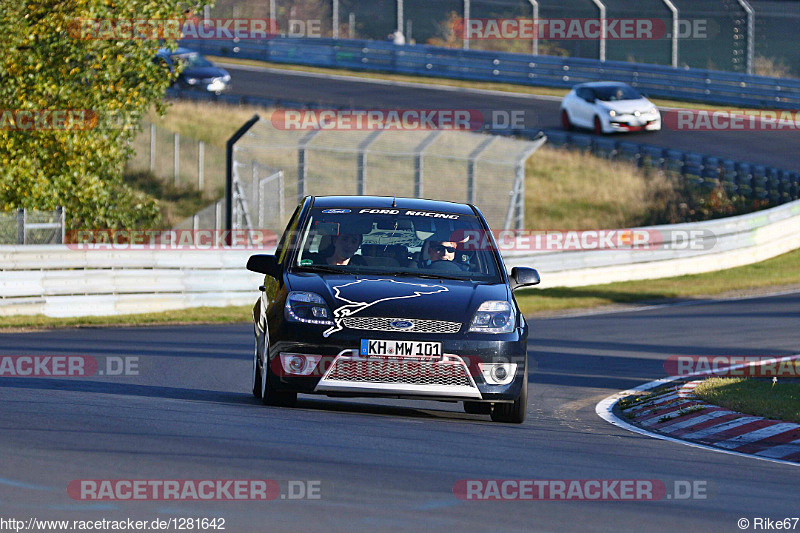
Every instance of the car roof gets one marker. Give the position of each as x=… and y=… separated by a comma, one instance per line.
x=385, y=202
x=591, y=84
x=179, y=52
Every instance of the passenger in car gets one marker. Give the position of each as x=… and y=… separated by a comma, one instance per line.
x=340, y=251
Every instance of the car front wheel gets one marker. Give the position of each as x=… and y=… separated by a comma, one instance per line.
x=268, y=395
x=513, y=413
x=565, y=121
x=598, y=126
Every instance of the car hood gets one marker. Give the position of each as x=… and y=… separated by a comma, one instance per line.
x=628, y=106
x=399, y=297
x=204, y=72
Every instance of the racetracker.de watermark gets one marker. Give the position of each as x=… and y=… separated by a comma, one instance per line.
x=585, y=240
x=67, y=366
x=172, y=28
x=378, y=119
x=579, y=489
x=732, y=366
x=30, y=120
x=199, y=239
x=580, y=29
x=731, y=120
x=193, y=489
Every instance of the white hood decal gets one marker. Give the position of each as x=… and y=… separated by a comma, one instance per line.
x=403, y=289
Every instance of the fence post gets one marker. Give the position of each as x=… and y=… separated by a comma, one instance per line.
x=302, y=167
x=748, y=9
x=400, y=16
x=335, y=18
x=674, y=10
x=21, y=226
x=418, y=170
x=466, y=24
x=201, y=156
x=603, y=28
x=473, y=160
x=361, y=178
x=60, y=215
x=152, y=147
x=535, y=6
x=176, y=151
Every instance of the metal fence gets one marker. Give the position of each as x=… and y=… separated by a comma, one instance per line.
x=258, y=202
x=179, y=160
x=734, y=32
x=458, y=166
x=25, y=226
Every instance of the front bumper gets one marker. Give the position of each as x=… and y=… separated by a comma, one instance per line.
x=633, y=123
x=339, y=370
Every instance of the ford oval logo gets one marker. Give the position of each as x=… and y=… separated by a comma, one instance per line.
x=401, y=324
x=336, y=211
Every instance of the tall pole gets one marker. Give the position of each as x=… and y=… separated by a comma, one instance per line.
x=603, y=28
x=751, y=29
x=674, y=10
x=400, y=16
x=465, y=26
x=535, y=5
x=273, y=17
x=335, y=17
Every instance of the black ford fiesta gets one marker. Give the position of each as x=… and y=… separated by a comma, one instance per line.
x=391, y=297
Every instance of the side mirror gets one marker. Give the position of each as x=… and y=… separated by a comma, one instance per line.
x=264, y=264
x=523, y=277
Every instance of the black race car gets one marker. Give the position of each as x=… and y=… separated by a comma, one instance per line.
x=391, y=297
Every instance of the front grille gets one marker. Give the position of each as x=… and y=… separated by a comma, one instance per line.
x=404, y=372
x=384, y=324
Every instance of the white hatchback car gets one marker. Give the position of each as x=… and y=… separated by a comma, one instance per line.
x=607, y=107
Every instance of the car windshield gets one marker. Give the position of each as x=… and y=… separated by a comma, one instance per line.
x=400, y=242
x=194, y=60
x=616, y=92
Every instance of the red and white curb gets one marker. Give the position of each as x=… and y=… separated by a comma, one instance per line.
x=679, y=417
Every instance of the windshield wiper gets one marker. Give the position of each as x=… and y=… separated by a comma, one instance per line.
x=323, y=268
x=425, y=275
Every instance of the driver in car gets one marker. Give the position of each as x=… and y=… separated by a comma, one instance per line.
x=441, y=250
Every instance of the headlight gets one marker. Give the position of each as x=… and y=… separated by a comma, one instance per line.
x=307, y=307
x=192, y=81
x=493, y=317
x=653, y=110
x=226, y=78
x=612, y=113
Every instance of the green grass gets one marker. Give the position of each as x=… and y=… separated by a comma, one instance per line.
x=783, y=270
x=196, y=315
x=449, y=82
x=780, y=401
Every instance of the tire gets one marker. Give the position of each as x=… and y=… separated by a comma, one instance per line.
x=267, y=395
x=256, y=374
x=477, y=408
x=565, y=121
x=513, y=413
x=598, y=126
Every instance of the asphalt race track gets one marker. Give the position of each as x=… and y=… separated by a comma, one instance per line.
x=773, y=148
x=383, y=465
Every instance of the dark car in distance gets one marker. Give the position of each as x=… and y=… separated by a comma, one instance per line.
x=198, y=72
x=391, y=297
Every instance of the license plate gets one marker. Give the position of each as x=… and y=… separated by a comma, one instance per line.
x=388, y=348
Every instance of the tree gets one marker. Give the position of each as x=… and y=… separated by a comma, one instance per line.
x=50, y=61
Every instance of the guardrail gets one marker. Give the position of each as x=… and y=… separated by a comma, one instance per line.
x=696, y=85
x=58, y=280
